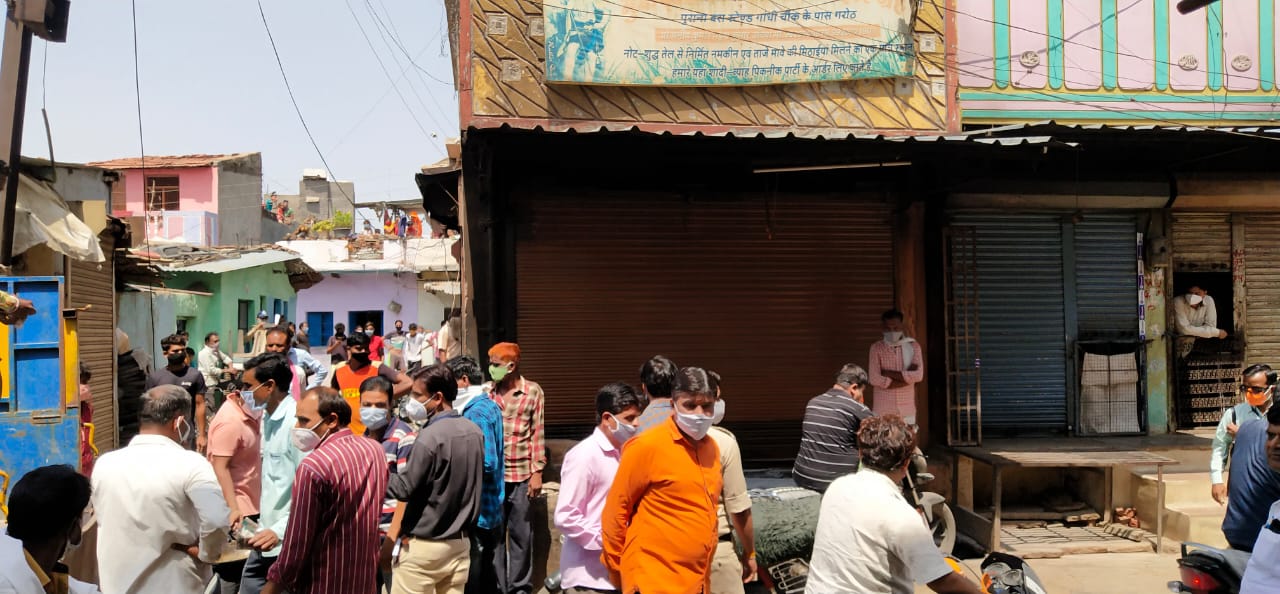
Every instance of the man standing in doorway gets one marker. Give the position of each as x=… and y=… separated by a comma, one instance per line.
x=657, y=378
x=897, y=365
x=829, y=435
x=332, y=539
x=178, y=373
x=1257, y=394
x=475, y=405
x=522, y=404
x=347, y=377
x=1195, y=316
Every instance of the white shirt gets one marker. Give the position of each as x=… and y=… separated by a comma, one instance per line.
x=16, y=576
x=869, y=539
x=147, y=497
x=413, y=345
x=1262, y=574
x=1201, y=322
x=212, y=363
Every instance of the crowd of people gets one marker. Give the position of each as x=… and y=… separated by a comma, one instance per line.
x=365, y=478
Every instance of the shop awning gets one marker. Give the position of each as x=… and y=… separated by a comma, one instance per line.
x=43, y=217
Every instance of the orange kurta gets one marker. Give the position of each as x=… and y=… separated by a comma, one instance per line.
x=659, y=524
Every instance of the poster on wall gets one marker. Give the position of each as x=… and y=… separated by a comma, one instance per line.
x=726, y=42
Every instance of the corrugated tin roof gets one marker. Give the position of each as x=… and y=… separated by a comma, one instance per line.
x=168, y=162
x=244, y=260
x=976, y=136
x=1048, y=126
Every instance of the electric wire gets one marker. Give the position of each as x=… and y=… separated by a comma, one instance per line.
x=294, y=100
x=384, y=33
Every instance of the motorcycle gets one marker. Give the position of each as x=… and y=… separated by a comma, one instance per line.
x=1209, y=570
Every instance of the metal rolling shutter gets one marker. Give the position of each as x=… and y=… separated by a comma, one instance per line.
x=1106, y=251
x=90, y=283
x=1262, y=288
x=1022, y=344
x=1202, y=241
x=774, y=294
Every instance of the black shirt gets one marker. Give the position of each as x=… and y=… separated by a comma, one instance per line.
x=192, y=381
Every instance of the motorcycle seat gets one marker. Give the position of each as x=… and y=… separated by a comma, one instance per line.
x=1237, y=560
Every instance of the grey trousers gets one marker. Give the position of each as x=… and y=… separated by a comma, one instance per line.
x=513, y=558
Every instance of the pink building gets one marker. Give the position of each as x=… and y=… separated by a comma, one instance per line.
x=198, y=199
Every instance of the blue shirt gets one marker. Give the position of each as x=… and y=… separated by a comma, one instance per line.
x=1252, y=487
x=484, y=412
x=280, y=462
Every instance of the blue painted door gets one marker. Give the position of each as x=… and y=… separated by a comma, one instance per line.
x=320, y=323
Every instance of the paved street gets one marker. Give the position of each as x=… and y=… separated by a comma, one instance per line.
x=1114, y=573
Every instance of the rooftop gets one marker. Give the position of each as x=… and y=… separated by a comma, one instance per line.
x=168, y=162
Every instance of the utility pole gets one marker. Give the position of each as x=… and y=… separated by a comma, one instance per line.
x=25, y=19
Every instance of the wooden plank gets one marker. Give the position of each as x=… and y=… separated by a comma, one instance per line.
x=964, y=482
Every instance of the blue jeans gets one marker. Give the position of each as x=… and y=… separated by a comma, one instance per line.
x=254, y=578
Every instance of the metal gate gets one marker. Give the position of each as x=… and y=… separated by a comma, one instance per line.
x=964, y=371
x=1262, y=288
x=1202, y=242
x=1106, y=272
x=1021, y=312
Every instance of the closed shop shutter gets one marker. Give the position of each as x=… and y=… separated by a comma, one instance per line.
x=93, y=284
x=1262, y=289
x=1022, y=344
x=1202, y=242
x=1106, y=256
x=775, y=294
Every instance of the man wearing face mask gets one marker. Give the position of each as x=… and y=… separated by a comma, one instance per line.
x=585, y=477
x=731, y=570
x=178, y=373
x=896, y=366
x=45, y=507
x=668, y=476
x=346, y=377
x=308, y=373
x=395, y=436
x=266, y=378
x=441, y=492
x=235, y=451
x=476, y=406
x=522, y=403
x=332, y=535
x=161, y=514
x=1195, y=317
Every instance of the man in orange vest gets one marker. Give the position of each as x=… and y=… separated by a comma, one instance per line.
x=346, y=377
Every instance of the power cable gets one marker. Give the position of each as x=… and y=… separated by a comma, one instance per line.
x=395, y=34
x=294, y=100
x=384, y=33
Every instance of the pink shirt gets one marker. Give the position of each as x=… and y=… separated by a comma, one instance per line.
x=585, y=478
x=898, y=401
x=233, y=433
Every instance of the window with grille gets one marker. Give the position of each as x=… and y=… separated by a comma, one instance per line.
x=162, y=193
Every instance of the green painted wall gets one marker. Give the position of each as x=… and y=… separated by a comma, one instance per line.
x=218, y=313
x=1158, y=402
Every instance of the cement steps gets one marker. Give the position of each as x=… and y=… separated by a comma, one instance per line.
x=1190, y=514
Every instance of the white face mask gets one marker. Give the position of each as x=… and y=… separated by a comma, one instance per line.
x=622, y=431
x=693, y=424
x=1193, y=299
x=416, y=410
x=894, y=336
x=305, y=439
x=184, y=435
x=718, y=415
x=372, y=417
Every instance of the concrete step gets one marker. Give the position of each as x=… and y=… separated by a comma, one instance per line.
x=1200, y=523
x=1181, y=488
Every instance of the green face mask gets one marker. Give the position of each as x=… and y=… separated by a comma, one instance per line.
x=497, y=372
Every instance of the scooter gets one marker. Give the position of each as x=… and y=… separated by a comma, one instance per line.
x=1209, y=570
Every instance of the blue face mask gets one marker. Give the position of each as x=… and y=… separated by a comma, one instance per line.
x=372, y=417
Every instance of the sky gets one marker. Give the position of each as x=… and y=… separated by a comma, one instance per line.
x=209, y=83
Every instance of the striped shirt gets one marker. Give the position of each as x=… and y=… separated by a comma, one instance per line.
x=654, y=414
x=397, y=441
x=522, y=410
x=331, y=544
x=829, y=439
x=891, y=357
